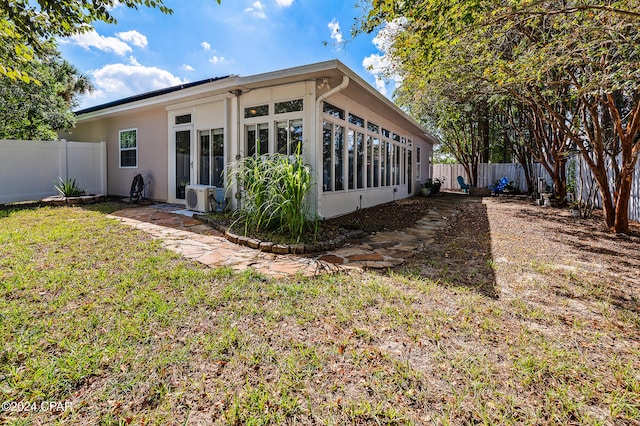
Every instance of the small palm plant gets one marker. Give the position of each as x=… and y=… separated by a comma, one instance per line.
x=67, y=187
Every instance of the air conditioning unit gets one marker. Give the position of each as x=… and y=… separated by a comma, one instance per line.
x=197, y=197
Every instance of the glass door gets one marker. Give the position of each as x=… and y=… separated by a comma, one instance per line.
x=183, y=162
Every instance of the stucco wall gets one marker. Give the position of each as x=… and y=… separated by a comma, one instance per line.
x=152, y=149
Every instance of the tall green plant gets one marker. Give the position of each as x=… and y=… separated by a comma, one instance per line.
x=275, y=187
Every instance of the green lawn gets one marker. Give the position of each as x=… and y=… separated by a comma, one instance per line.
x=101, y=317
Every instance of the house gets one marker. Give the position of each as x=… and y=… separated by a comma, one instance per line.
x=362, y=148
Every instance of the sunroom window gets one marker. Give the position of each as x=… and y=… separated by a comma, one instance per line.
x=333, y=111
x=288, y=106
x=257, y=137
x=289, y=133
x=256, y=111
x=211, y=157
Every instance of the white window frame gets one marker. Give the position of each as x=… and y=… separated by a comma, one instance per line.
x=418, y=162
x=120, y=149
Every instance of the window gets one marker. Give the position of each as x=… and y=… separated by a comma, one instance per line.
x=257, y=139
x=389, y=161
x=327, y=160
x=289, y=134
x=183, y=119
x=129, y=148
x=256, y=111
x=338, y=147
x=386, y=133
x=403, y=179
x=360, y=150
x=369, y=162
x=289, y=106
x=212, y=157
x=396, y=156
x=354, y=119
x=373, y=127
x=418, y=162
x=383, y=164
x=376, y=162
x=351, y=158
x=333, y=111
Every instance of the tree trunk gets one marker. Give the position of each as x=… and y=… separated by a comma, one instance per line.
x=621, y=221
x=608, y=209
x=485, y=142
x=560, y=179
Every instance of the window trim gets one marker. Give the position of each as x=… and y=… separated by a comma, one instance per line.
x=120, y=149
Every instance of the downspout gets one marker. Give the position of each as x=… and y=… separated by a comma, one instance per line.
x=337, y=89
x=237, y=93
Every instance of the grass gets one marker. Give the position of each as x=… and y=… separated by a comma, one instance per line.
x=101, y=316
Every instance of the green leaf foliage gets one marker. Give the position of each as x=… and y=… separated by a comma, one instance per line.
x=571, y=66
x=36, y=110
x=29, y=25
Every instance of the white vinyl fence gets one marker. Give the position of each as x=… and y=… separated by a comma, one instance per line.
x=491, y=172
x=488, y=174
x=28, y=169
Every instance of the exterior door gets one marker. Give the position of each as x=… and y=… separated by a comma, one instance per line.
x=184, y=162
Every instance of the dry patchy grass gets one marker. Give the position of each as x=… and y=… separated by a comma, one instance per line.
x=485, y=327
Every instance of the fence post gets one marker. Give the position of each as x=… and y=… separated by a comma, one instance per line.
x=103, y=168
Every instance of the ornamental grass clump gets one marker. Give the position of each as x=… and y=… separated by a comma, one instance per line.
x=274, y=189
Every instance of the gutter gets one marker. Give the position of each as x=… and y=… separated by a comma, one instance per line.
x=338, y=88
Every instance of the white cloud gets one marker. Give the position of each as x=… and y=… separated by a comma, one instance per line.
x=121, y=80
x=205, y=45
x=187, y=67
x=257, y=10
x=376, y=65
x=284, y=3
x=380, y=65
x=217, y=59
x=107, y=44
x=133, y=37
x=336, y=33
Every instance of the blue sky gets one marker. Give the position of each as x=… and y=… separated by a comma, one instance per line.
x=147, y=50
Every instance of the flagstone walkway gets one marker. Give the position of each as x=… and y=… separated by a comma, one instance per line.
x=194, y=240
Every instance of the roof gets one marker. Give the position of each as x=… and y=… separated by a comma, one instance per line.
x=148, y=95
x=333, y=69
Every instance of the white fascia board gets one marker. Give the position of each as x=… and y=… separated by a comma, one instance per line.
x=199, y=101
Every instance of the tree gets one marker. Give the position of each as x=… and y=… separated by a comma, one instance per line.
x=542, y=54
x=28, y=25
x=36, y=111
x=459, y=130
x=587, y=56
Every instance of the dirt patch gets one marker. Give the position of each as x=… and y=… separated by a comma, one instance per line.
x=391, y=216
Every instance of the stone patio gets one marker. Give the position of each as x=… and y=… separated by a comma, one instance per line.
x=192, y=239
